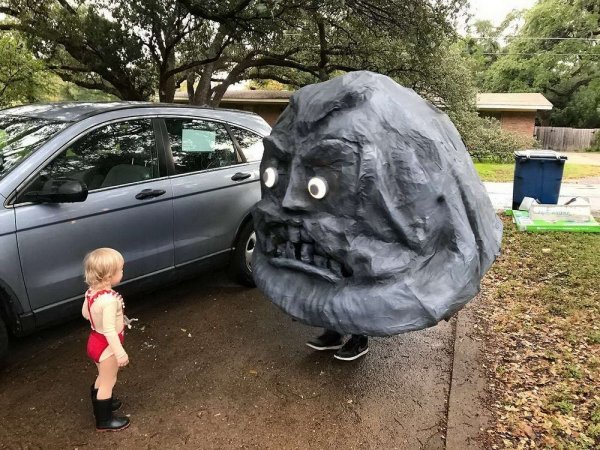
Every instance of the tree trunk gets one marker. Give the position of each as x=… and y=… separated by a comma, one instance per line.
x=203, y=90
x=323, y=58
x=190, y=81
x=167, y=86
x=219, y=92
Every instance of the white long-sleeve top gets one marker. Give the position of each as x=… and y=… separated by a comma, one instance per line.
x=108, y=319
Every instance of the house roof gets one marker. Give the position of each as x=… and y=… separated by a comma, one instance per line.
x=254, y=96
x=514, y=101
x=526, y=101
x=257, y=96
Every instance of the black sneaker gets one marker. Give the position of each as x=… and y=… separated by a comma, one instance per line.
x=356, y=347
x=330, y=340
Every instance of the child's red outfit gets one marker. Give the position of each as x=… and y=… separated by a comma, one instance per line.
x=104, y=310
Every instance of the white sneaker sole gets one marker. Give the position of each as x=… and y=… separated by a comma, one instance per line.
x=352, y=358
x=331, y=347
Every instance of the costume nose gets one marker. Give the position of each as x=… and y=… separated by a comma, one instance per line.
x=296, y=193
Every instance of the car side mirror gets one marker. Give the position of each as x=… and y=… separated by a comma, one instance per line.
x=59, y=190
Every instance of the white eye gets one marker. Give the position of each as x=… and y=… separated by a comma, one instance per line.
x=269, y=177
x=317, y=187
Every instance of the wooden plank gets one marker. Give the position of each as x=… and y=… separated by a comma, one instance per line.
x=564, y=139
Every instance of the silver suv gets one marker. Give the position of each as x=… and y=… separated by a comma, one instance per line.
x=170, y=187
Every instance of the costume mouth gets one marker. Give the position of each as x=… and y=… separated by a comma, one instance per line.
x=291, y=247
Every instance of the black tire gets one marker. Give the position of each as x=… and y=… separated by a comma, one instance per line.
x=3, y=340
x=242, y=255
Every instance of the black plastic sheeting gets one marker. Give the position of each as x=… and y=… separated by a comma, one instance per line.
x=405, y=230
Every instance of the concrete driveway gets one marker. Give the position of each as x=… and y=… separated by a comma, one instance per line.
x=215, y=365
x=501, y=193
x=589, y=158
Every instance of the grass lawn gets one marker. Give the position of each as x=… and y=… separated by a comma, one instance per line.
x=541, y=308
x=505, y=172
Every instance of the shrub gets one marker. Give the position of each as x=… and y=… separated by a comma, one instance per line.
x=485, y=140
x=595, y=145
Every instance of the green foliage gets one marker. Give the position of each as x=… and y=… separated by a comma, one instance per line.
x=485, y=140
x=582, y=110
x=595, y=145
x=452, y=87
x=22, y=77
x=595, y=418
x=594, y=338
x=66, y=91
x=137, y=49
x=564, y=406
x=571, y=371
x=593, y=431
x=556, y=52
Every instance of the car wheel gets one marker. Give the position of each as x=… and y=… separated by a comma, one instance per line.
x=3, y=340
x=242, y=256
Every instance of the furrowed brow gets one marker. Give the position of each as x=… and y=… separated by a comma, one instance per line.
x=326, y=152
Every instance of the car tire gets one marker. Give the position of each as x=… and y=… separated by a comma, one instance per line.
x=242, y=255
x=3, y=340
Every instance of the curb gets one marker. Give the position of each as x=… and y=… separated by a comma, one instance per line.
x=468, y=415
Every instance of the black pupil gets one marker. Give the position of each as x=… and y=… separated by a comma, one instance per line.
x=314, y=190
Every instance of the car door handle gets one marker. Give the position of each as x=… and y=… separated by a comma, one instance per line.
x=149, y=193
x=241, y=176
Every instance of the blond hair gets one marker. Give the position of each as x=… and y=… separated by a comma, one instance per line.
x=101, y=264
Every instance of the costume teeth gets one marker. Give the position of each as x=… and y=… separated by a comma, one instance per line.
x=293, y=242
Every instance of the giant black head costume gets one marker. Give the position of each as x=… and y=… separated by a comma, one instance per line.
x=372, y=219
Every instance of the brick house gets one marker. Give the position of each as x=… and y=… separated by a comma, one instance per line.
x=515, y=111
x=268, y=104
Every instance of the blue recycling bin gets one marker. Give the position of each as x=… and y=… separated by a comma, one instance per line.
x=538, y=174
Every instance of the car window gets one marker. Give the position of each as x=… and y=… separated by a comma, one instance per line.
x=250, y=143
x=115, y=154
x=200, y=145
x=21, y=136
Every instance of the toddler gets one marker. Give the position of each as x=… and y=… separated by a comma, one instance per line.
x=103, y=307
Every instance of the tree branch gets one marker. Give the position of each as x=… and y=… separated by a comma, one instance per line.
x=69, y=68
x=66, y=6
x=100, y=86
x=197, y=63
x=11, y=27
x=272, y=76
x=200, y=11
x=9, y=11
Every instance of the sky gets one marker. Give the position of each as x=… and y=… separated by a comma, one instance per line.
x=496, y=10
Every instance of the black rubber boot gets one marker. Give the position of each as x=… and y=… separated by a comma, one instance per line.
x=116, y=403
x=105, y=421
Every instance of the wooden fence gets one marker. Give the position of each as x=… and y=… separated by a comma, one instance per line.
x=565, y=139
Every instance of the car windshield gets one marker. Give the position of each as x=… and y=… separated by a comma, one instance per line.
x=20, y=136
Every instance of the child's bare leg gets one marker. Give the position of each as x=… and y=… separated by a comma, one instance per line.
x=97, y=382
x=107, y=377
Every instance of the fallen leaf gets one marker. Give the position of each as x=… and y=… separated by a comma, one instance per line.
x=526, y=430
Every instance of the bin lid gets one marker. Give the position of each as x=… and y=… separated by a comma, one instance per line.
x=540, y=154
